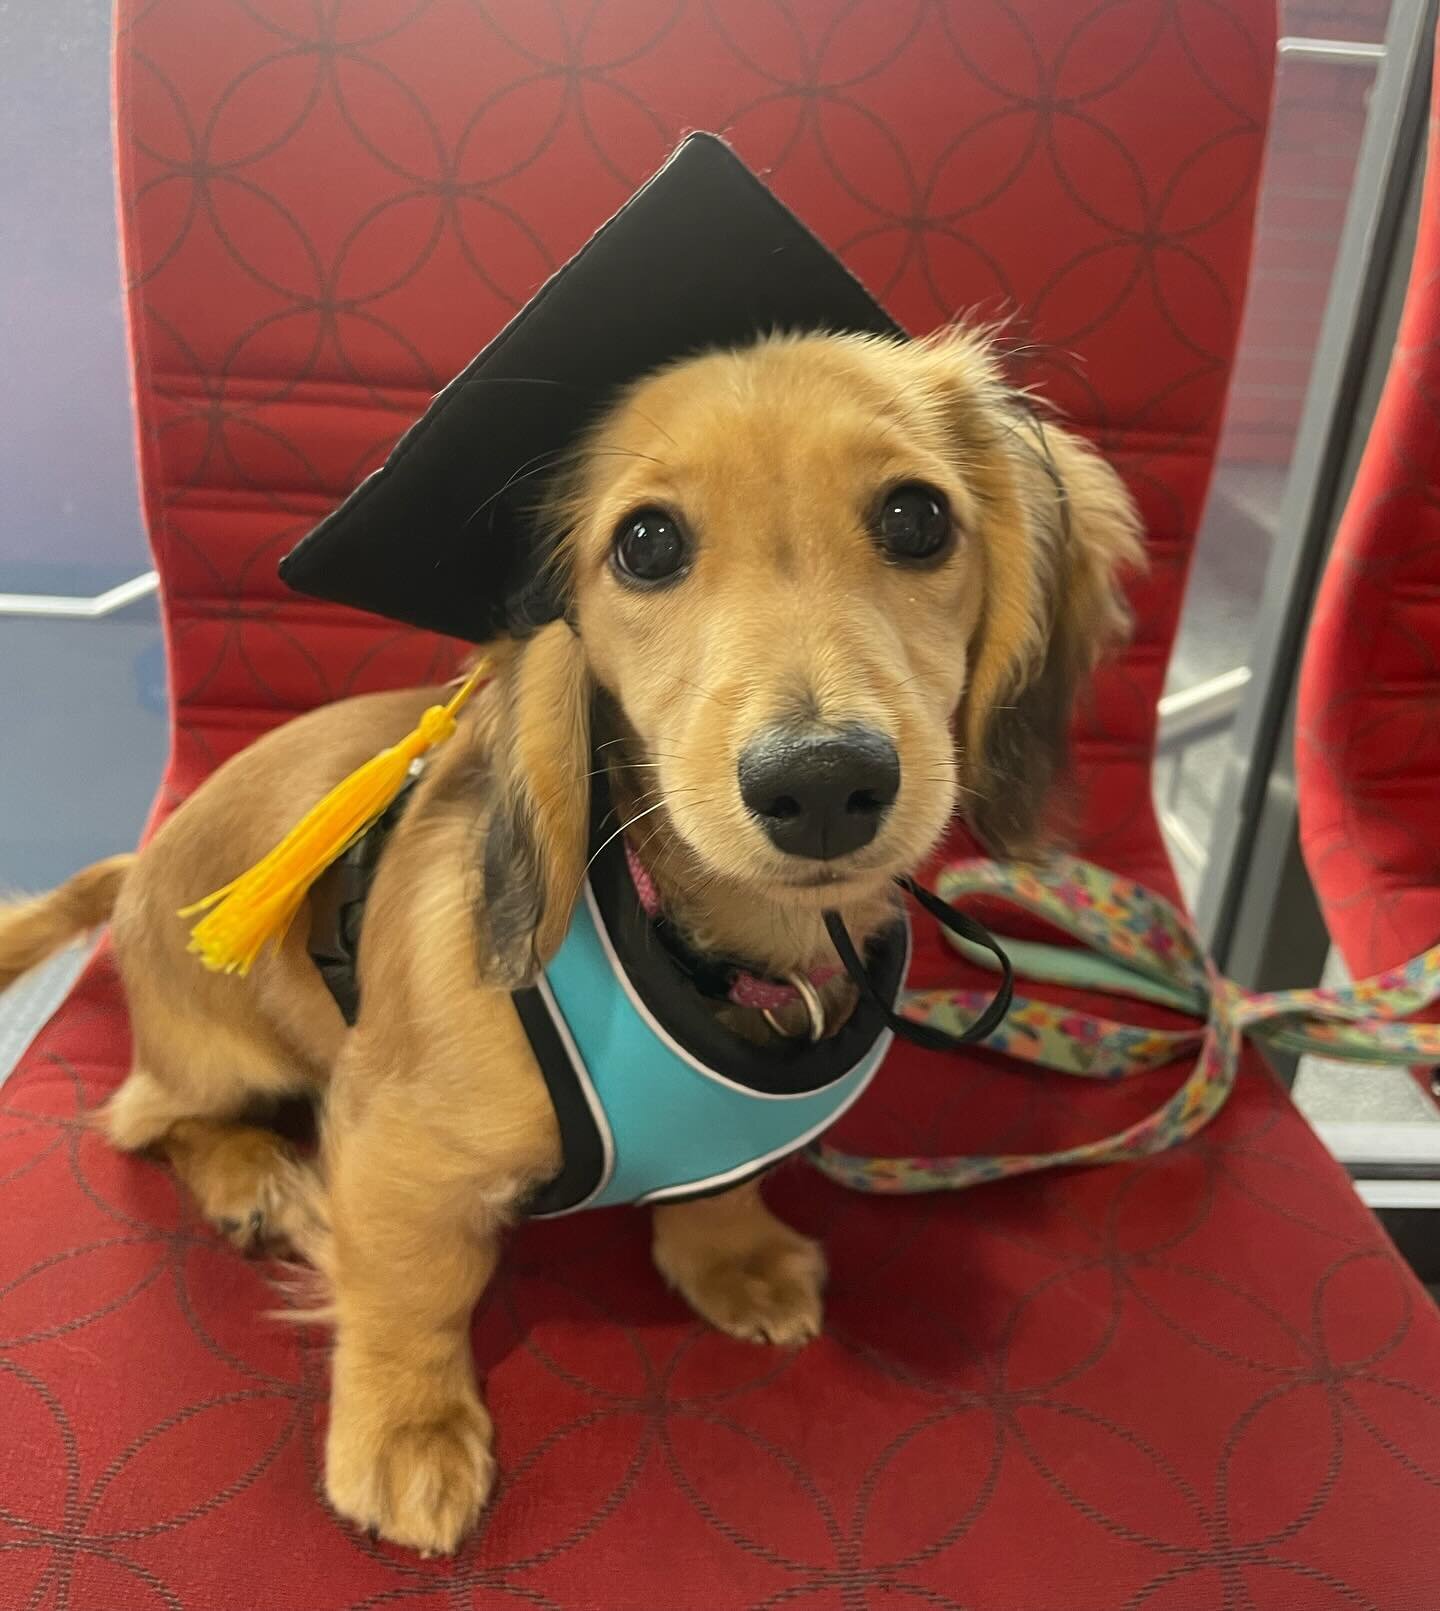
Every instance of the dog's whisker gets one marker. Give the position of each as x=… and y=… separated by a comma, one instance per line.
x=652, y=421
x=649, y=749
x=623, y=766
x=725, y=704
x=629, y=823
x=609, y=742
x=532, y=466
x=542, y=463
x=614, y=450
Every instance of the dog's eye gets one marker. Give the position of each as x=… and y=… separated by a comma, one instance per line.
x=912, y=522
x=651, y=546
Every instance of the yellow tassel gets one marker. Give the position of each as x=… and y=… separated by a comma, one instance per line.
x=261, y=904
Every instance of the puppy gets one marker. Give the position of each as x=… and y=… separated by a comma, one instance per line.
x=807, y=536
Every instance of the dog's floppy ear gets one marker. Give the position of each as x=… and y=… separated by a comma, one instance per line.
x=538, y=829
x=1060, y=532
x=1058, y=608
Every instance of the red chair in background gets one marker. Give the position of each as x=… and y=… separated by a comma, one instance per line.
x=1204, y=1381
x=1368, y=729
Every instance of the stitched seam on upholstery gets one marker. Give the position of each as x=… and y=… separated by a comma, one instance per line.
x=357, y=398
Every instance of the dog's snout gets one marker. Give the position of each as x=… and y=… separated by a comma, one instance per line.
x=820, y=794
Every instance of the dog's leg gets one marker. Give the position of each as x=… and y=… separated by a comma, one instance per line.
x=408, y=1453
x=740, y=1268
x=200, y=1077
x=247, y=1181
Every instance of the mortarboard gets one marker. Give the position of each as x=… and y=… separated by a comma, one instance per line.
x=444, y=534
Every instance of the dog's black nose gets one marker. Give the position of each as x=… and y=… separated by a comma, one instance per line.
x=820, y=794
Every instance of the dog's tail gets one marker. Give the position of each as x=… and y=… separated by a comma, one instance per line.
x=32, y=930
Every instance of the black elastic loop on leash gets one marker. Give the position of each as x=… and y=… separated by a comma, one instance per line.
x=927, y=1035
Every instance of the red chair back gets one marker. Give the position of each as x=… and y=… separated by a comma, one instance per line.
x=327, y=210
x=1368, y=738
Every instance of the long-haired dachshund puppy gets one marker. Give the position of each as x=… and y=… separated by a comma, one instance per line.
x=824, y=592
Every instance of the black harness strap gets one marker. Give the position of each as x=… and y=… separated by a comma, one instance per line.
x=337, y=906
x=927, y=1035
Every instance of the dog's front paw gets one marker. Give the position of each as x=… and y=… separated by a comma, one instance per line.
x=419, y=1483
x=768, y=1293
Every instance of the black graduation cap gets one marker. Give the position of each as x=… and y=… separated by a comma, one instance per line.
x=443, y=535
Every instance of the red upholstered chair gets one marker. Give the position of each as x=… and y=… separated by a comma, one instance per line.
x=1201, y=1382
x=1368, y=750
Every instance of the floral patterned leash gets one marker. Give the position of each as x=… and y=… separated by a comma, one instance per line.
x=1135, y=943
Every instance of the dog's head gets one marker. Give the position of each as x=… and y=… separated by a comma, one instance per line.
x=836, y=588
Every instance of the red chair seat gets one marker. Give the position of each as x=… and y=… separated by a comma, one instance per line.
x=1166, y=1386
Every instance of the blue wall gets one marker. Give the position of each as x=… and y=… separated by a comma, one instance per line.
x=82, y=732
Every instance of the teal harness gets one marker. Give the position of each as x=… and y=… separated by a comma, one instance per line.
x=656, y=1098
x=648, y=1116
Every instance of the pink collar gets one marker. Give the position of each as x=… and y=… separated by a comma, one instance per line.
x=746, y=989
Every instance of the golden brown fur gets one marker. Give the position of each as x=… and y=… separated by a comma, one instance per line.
x=32, y=930
x=436, y=1122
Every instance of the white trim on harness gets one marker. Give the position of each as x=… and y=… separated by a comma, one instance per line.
x=699, y=1188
